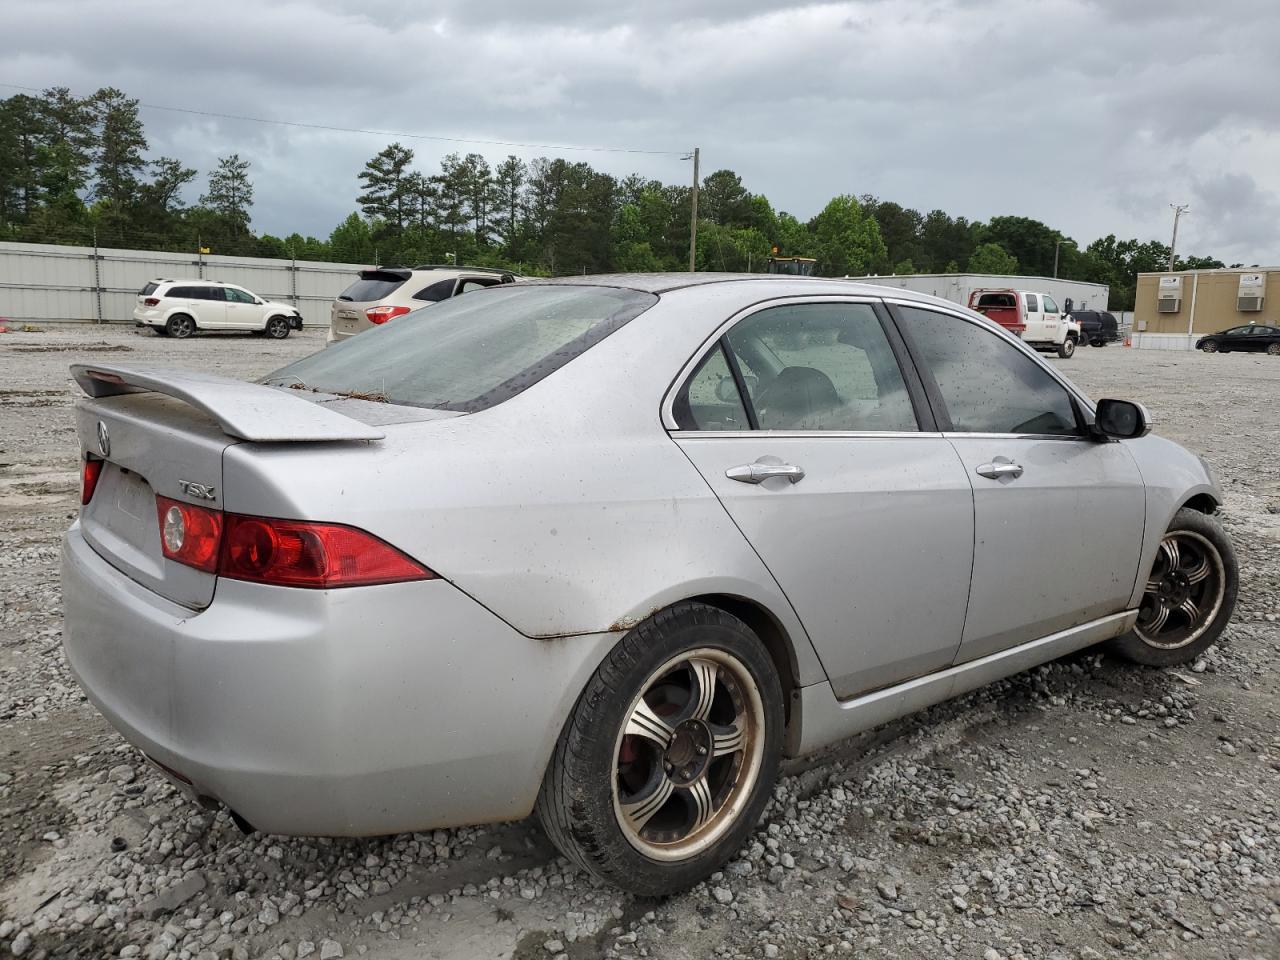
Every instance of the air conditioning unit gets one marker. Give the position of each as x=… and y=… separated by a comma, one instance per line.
x=1250, y=294
x=1169, y=296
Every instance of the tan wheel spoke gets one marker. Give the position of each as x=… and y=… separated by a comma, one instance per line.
x=727, y=740
x=704, y=675
x=639, y=812
x=1190, y=610
x=1160, y=619
x=643, y=722
x=1169, y=547
x=700, y=793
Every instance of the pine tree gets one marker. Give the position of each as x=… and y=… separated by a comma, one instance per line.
x=117, y=154
x=388, y=185
x=230, y=192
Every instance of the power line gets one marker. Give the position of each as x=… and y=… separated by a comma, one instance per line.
x=381, y=133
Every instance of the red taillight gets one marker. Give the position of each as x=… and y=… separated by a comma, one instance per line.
x=295, y=553
x=189, y=534
x=90, y=471
x=152, y=301
x=383, y=314
x=286, y=553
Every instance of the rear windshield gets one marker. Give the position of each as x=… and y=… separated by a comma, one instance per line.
x=997, y=300
x=148, y=289
x=470, y=352
x=362, y=291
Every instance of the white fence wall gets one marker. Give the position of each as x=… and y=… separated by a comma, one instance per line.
x=43, y=282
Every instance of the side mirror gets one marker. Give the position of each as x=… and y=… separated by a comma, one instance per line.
x=1121, y=419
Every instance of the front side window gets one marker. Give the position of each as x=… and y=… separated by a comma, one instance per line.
x=1032, y=303
x=238, y=296
x=1050, y=305
x=821, y=366
x=988, y=385
x=710, y=400
x=470, y=353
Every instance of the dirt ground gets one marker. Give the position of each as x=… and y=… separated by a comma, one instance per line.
x=1083, y=809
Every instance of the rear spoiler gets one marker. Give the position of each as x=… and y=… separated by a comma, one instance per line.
x=246, y=411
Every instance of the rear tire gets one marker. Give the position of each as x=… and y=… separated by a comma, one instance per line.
x=277, y=328
x=1067, y=348
x=1191, y=593
x=670, y=754
x=1273, y=349
x=180, y=326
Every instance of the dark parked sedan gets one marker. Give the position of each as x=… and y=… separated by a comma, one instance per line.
x=1253, y=336
x=1097, y=327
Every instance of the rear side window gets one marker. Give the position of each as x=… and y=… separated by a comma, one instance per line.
x=187, y=293
x=470, y=353
x=988, y=384
x=374, y=288
x=440, y=290
x=710, y=400
x=148, y=289
x=1032, y=303
x=821, y=366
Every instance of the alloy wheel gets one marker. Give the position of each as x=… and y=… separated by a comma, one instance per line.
x=1210, y=347
x=688, y=754
x=181, y=327
x=277, y=328
x=1273, y=349
x=1184, y=591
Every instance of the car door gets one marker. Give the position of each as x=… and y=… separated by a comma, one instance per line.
x=1058, y=515
x=244, y=312
x=1053, y=321
x=821, y=447
x=209, y=306
x=1035, y=319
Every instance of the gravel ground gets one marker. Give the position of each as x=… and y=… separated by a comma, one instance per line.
x=1083, y=809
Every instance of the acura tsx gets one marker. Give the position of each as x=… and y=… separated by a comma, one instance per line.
x=608, y=548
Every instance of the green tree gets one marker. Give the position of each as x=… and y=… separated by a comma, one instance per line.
x=904, y=268
x=724, y=199
x=508, y=181
x=120, y=144
x=163, y=192
x=994, y=259
x=351, y=241
x=388, y=187
x=846, y=239
x=1028, y=241
x=230, y=193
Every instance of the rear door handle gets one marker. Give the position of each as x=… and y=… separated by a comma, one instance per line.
x=760, y=472
x=999, y=467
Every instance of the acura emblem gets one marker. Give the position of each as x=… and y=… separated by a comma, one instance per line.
x=104, y=440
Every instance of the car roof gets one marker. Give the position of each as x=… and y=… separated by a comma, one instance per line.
x=778, y=285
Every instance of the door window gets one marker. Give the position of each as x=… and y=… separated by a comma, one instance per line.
x=1050, y=305
x=710, y=399
x=468, y=285
x=988, y=385
x=440, y=290
x=821, y=366
x=1032, y=303
x=238, y=296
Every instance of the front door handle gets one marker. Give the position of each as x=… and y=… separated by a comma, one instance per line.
x=1000, y=467
x=759, y=472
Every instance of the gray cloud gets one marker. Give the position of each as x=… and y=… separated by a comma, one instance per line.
x=1089, y=114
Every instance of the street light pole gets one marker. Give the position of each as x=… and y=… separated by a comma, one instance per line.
x=693, y=216
x=1056, y=247
x=1178, y=210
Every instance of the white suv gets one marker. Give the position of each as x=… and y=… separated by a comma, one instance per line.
x=178, y=308
x=386, y=292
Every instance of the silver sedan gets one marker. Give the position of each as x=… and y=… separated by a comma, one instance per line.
x=607, y=549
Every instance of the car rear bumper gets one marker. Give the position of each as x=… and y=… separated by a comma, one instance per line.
x=147, y=317
x=344, y=712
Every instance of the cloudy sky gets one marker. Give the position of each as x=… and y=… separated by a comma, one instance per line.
x=1092, y=115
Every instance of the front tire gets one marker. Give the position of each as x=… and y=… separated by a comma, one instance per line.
x=670, y=754
x=1209, y=347
x=1190, y=595
x=180, y=326
x=1067, y=348
x=277, y=328
x=1273, y=349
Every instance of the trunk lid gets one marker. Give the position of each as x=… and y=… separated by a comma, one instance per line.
x=163, y=433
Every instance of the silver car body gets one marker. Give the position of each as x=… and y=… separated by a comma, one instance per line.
x=557, y=520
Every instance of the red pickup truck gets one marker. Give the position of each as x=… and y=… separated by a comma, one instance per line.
x=1002, y=306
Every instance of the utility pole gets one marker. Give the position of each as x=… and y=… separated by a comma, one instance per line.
x=1178, y=210
x=1056, y=247
x=693, y=216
